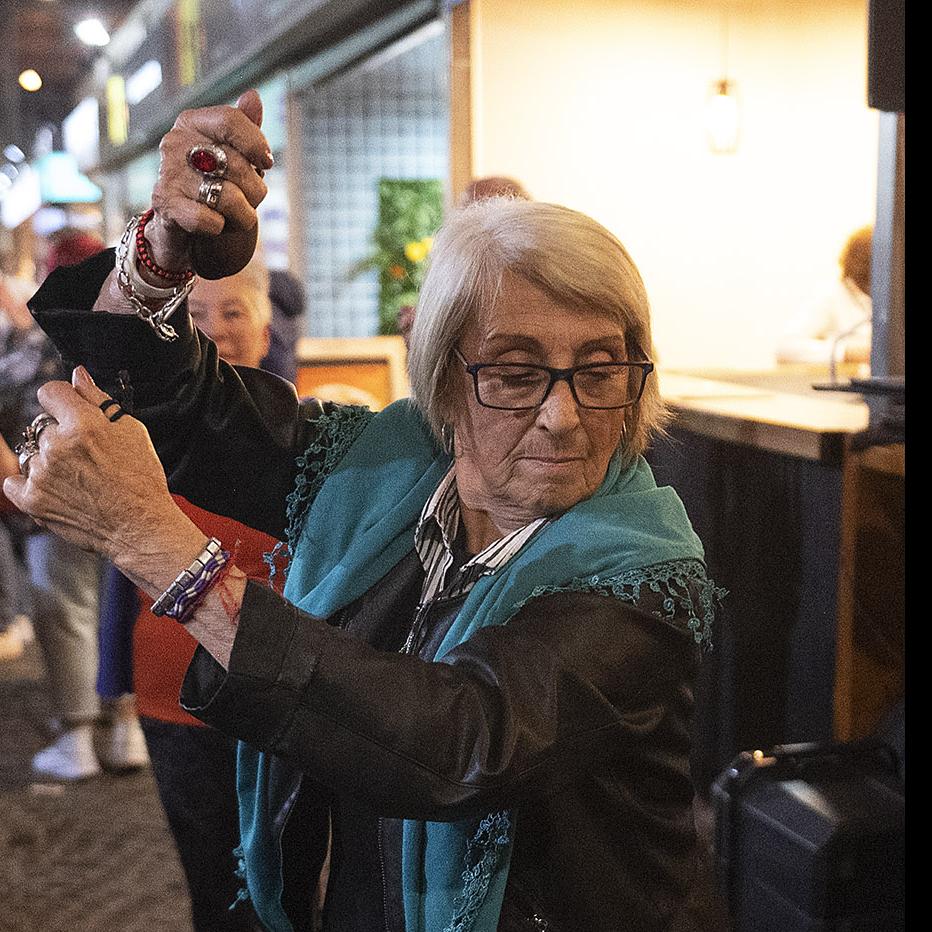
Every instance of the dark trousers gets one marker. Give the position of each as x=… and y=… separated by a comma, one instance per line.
x=195, y=771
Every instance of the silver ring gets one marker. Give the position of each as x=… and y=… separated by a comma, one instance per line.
x=39, y=423
x=209, y=192
x=209, y=160
x=26, y=451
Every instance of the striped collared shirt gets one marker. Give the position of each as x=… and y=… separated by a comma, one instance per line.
x=434, y=538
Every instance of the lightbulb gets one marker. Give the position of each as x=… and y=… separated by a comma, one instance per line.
x=721, y=117
x=29, y=80
x=91, y=31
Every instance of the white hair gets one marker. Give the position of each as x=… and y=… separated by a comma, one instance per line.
x=569, y=256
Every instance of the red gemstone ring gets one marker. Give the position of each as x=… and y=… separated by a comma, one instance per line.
x=208, y=160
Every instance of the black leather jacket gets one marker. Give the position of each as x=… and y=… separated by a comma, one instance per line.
x=575, y=714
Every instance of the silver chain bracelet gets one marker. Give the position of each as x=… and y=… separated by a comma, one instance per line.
x=139, y=293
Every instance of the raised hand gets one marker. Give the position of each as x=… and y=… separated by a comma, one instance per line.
x=215, y=240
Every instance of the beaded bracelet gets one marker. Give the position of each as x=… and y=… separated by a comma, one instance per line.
x=181, y=599
x=142, y=253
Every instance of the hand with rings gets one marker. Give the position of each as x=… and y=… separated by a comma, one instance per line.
x=212, y=162
x=209, y=186
x=88, y=472
x=29, y=446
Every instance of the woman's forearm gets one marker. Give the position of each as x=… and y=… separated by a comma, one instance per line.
x=227, y=439
x=216, y=620
x=153, y=567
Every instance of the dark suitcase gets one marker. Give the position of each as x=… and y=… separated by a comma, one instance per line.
x=810, y=838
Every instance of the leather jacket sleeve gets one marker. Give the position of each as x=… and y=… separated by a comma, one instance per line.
x=227, y=436
x=574, y=683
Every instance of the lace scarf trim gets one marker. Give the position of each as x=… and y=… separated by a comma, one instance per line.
x=337, y=431
x=491, y=840
x=676, y=591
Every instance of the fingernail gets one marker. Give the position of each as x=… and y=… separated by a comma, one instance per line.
x=269, y=159
x=84, y=375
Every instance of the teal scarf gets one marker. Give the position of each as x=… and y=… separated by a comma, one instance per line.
x=352, y=521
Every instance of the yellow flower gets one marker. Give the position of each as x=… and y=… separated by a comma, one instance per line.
x=415, y=251
x=428, y=243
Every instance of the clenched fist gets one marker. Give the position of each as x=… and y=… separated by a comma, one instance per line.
x=216, y=241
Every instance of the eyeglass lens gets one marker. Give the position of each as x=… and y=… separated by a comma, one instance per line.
x=606, y=386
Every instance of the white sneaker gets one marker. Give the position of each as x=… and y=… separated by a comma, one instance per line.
x=70, y=758
x=126, y=746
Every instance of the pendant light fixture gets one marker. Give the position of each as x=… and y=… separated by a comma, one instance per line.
x=722, y=114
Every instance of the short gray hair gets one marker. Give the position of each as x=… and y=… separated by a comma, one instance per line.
x=569, y=256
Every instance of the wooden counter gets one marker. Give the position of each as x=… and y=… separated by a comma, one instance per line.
x=812, y=427
x=805, y=531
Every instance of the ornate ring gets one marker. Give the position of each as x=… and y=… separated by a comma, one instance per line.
x=26, y=451
x=39, y=423
x=209, y=192
x=209, y=160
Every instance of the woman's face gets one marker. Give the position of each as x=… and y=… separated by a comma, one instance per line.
x=223, y=311
x=520, y=465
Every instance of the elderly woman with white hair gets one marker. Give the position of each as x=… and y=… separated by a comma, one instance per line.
x=236, y=312
x=474, y=692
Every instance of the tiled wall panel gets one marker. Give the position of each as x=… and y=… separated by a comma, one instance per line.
x=387, y=117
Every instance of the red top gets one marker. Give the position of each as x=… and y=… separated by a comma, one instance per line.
x=162, y=649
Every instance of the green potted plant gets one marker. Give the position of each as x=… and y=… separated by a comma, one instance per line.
x=410, y=211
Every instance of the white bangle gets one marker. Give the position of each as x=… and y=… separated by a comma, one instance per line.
x=141, y=286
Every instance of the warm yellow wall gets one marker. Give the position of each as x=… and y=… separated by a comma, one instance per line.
x=598, y=104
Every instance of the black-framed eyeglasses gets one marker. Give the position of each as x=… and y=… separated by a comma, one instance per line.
x=517, y=387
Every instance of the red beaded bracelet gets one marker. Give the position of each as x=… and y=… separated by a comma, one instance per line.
x=142, y=253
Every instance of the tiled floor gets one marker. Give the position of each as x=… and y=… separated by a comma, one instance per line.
x=88, y=857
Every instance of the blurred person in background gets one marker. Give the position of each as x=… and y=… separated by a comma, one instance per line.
x=63, y=579
x=69, y=246
x=15, y=625
x=839, y=320
x=236, y=313
x=492, y=186
x=287, y=295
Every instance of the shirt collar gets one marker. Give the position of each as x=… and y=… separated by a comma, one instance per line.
x=437, y=529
